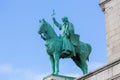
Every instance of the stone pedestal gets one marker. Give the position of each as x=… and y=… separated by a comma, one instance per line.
x=111, y=9
x=58, y=77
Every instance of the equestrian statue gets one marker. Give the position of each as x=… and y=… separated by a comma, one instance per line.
x=67, y=45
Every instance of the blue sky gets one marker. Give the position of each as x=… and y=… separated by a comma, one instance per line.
x=22, y=51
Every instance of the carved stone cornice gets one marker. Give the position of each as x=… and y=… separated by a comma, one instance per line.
x=102, y=4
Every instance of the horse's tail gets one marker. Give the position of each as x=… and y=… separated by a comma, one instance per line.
x=89, y=51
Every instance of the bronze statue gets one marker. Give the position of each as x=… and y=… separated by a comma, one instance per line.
x=65, y=46
x=67, y=33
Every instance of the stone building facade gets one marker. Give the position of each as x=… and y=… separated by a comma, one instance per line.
x=111, y=8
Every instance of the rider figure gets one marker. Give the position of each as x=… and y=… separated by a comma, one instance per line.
x=67, y=32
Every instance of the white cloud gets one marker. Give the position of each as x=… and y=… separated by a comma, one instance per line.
x=5, y=69
x=19, y=73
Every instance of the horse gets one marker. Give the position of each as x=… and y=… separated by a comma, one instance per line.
x=54, y=49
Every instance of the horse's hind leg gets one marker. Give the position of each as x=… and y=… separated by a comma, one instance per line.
x=84, y=67
x=56, y=59
x=52, y=63
x=81, y=65
x=77, y=62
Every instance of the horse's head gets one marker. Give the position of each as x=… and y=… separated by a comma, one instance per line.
x=43, y=27
x=46, y=31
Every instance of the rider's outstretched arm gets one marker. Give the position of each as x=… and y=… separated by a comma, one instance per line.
x=57, y=24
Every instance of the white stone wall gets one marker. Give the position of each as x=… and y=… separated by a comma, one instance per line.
x=112, y=15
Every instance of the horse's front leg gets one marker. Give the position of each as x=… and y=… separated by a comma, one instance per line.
x=52, y=63
x=56, y=59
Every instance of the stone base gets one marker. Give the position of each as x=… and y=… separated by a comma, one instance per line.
x=108, y=72
x=58, y=77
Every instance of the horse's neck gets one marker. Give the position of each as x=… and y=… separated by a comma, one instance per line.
x=51, y=32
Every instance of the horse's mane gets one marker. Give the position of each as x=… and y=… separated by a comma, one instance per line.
x=53, y=33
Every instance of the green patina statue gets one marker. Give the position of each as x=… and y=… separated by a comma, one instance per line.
x=65, y=46
x=67, y=35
